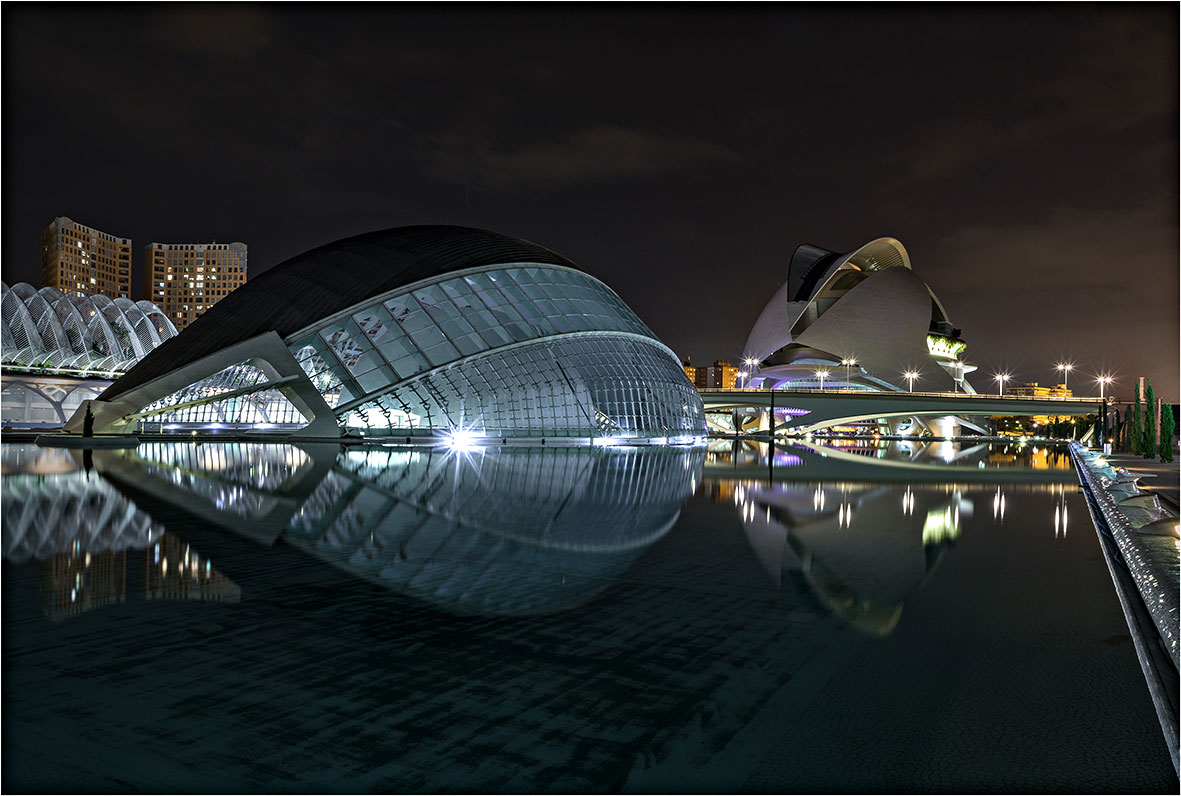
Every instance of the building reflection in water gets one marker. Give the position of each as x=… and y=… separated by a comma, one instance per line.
x=861, y=548
x=85, y=536
x=502, y=530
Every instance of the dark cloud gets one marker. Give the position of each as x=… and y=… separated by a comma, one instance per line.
x=239, y=31
x=1026, y=156
x=603, y=152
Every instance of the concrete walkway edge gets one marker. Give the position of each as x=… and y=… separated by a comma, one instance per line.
x=1160, y=671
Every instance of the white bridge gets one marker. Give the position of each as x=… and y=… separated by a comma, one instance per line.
x=807, y=411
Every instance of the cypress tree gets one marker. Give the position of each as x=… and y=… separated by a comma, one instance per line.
x=1149, y=422
x=1166, y=433
x=1134, y=432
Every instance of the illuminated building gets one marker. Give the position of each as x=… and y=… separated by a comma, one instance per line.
x=186, y=279
x=719, y=374
x=433, y=329
x=1034, y=390
x=1030, y=425
x=81, y=260
x=861, y=319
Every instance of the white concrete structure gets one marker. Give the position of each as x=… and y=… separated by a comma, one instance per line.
x=860, y=320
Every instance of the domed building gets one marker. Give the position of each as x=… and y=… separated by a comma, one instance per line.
x=428, y=329
x=865, y=307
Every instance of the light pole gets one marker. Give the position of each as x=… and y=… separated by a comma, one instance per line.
x=1103, y=382
x=751, y=364
x=822, y=375
x=848, y=362
x=955, y=379
x=745, y=376
x=1065, y=368
x=910, y=376
x=1001, y=379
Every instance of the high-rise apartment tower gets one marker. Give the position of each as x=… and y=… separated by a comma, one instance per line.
x=82, y=260
x=185, y=279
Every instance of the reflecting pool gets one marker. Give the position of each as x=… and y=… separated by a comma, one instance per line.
x=853, y=616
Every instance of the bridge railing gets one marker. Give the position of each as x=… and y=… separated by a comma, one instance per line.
x=895, y=394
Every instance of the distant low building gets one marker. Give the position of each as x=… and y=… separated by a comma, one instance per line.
x=719, y=374
x=1034, y=390
x=186, y=279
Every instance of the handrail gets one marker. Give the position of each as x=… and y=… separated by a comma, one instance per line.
x=891, y=393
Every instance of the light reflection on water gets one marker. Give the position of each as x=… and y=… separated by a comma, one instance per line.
x=515, y=530
x=533, y=618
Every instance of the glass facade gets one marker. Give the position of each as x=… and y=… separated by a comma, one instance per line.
x=250, y=402
x=528, y=350
x=521, y=350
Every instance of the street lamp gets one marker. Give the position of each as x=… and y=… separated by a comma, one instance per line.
x=1001, y=379
x=822, y=375
x=1065, y=368
x=751, y=364
x=910, y=376
x=848, y=362
x=1103, y=382
x=744, y=375
x=955, y=379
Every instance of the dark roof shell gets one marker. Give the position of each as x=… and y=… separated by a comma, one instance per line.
x=328, y=279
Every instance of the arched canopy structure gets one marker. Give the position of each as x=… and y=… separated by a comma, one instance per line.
x=46, y=331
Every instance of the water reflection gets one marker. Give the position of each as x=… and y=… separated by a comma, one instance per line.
x=859, y=549
x=418, y=620
x=493, y=531
x=516, y=530
x=863, y=541
x=91, y=544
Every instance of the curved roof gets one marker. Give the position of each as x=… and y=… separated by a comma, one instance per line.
x=328, y=279
x=811, y=273
x=48, y=329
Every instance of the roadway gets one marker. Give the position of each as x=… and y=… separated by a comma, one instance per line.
x=823, y=408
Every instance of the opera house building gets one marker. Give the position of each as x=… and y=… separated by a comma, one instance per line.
x=415, y=330
x=862, y=317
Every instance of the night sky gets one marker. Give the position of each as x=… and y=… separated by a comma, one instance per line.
x=1026, y=156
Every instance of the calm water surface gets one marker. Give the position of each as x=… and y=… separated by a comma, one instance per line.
x=856, y=616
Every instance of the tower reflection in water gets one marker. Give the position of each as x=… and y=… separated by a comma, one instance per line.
x=92, y=544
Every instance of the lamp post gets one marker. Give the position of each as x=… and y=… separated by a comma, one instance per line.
x=848, y=362
x=1001, y=378
x=750, y=366
x=745, y=376
x=822, y=375
x=1065, y=367
x=910, y=376
x=1103, y=382
x=955, y=378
